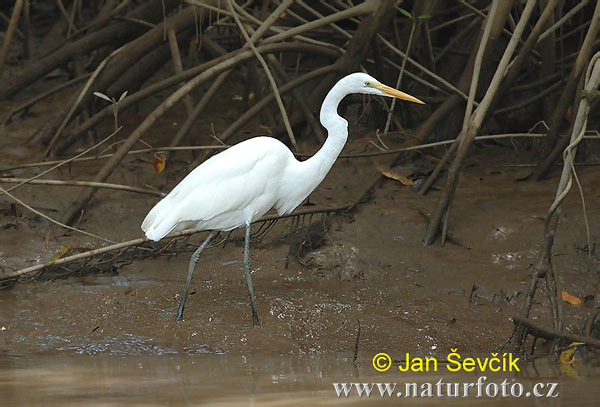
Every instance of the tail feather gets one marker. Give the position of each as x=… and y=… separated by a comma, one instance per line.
x=160, y=221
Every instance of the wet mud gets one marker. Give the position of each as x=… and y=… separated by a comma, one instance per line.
x=367, y=267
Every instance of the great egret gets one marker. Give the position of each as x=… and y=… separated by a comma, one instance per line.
x=242, y=183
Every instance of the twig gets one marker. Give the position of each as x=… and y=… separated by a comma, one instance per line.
x=82, y=94
x=423, y=69
x=388, y=121
x=200, y=74
x=504, y=30
x=280, y=71
x=591, y=84
x=565, y=18
x=254, y=110
x=317, y=14
x=298, y=37
x=437, y=217
x=467, y=136
x=362, y=8
x=282, y=7
x=530, y=100
x=566, y=97
x=87, y=194
x=455, y=39
x=95, y=158
x=8, y=274
x=61, y=163
x=14, y=198
x=178, y=67
x=61, y=7
x=413, y=77
x=457, y=20
x=134, y=20
x=544, y=265
x=119, y=187
x=43, y=95
x=535, y=329
x=477, y=68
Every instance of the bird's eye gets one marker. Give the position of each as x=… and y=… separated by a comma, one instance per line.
x=368, y=84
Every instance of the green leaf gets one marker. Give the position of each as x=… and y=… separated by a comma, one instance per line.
x=424, y=16
x=406, y=13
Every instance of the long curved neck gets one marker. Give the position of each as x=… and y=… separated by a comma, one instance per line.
x=302, y=177
x=337, y=133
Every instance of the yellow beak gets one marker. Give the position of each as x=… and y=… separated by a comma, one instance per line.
x=397, y=94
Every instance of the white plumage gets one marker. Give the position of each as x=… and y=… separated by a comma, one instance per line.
x=229, y=189
x=242, y=183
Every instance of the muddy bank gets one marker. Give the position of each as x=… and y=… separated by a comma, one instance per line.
x=372, y=267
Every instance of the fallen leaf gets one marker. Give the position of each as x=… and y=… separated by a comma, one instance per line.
x=61, y=252
x=158, y=164
x=395, y=175
x=566, y=356
x=570, y=299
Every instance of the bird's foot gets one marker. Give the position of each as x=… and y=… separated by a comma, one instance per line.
x=255, y=320
x=180, y=311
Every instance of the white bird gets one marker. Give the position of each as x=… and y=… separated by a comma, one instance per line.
x=241, y=184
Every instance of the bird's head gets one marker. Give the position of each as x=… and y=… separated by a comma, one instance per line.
x=363, y=83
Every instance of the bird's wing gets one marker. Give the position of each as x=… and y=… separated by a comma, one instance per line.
x=239, y=180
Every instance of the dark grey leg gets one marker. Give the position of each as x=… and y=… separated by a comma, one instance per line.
x=193, y=262
x=248, y=277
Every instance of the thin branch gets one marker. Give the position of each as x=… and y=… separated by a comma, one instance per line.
x=388, y=121
x=105, y=185
x=20, y=202
x=552, y=334
x=44, y=95
x=565, y=18
x=8, y=274
x=423, y=69
x=61, y=163
x=82, y=94
x=284, y=5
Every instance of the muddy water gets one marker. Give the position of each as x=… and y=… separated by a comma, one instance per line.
x=252, y=380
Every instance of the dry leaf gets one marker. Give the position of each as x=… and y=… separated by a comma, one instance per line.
x=566, y=356
x=395, y=175
x=569, y=113
x=158, y=164
x=570, y=299
x=61, y=252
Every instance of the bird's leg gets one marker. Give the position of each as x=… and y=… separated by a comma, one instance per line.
x=193, y=261
x=248, y=277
